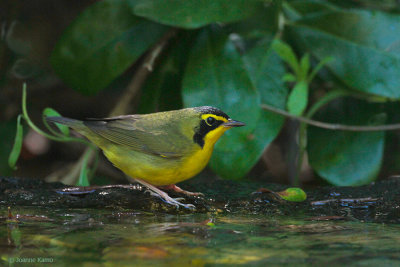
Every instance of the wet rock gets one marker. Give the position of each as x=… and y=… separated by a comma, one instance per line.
x=377, y=202
x=35, y=192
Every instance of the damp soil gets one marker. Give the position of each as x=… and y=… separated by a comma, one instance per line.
x=376, y=202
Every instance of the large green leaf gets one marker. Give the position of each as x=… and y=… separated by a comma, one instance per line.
x=195, y=13
x=10, y=142
x=265, y=22
x=217, y=75
x=346, y=158
x=266, y=70
x=16, y=150
x=364, y=45
x=101, y=44
x=298, y=8
x=162, y=90
x=389, y=5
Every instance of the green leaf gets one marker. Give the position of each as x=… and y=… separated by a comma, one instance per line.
x=363, y=43
x=49, y=112
x=7, y=138
x=287, y=54
x=162, y=90
x=104, y=40
x=83, y=177
x=378, y=119
x=265, y=22
x=288, y=77
x=304, y=67
x=265, y=70
x=293, y=194
x=217, y=75
x=298, y=98
x=210, y=224
x=195, y=13
x=346, y=158
x=296, y=9
x=16, y=150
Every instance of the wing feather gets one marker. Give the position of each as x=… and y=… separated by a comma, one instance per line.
x=141, y=135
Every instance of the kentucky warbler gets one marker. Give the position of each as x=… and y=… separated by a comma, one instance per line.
x=158, y=149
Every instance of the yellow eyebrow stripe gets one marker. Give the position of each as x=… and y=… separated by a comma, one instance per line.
x=220, y=118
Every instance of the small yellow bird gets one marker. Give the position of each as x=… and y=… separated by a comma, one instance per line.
x=158, y=149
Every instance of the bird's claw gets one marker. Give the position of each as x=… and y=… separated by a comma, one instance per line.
x=172, y=201
x=176, y=203
x=153, y=194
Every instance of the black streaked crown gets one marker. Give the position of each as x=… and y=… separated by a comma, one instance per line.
x=212, y=110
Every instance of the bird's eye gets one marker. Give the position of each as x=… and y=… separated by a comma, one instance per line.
x=210, y=121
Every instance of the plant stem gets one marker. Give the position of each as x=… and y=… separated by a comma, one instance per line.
x=330, y=96
x=28, y=120
x=83, y=174
x=39, y=131
x=333, y=126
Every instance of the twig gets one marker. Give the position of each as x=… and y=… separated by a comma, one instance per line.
x=122, y=105
x=333, y=126
x=343, y=200
x=141, y=74
x=82, y=190
x=326, y=218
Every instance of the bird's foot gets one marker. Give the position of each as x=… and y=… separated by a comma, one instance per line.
x=180, y=190
x=172, y=201
x=175, y=201
x=154, y=191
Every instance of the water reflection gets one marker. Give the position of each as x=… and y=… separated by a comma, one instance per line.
x=119, y=238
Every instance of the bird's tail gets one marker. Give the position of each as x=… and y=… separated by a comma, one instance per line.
x=75, y=124
x=78, y=126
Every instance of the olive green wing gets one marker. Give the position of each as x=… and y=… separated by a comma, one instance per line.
x=144, y=135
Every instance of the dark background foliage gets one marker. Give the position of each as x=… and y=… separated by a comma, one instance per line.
x=79, y=56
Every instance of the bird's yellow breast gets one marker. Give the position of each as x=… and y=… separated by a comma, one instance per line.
x=160, y=171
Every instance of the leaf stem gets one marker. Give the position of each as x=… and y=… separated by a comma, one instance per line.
x=28, y=120
x=39, y=131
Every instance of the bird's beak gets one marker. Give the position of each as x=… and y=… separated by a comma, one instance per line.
x=231, y=123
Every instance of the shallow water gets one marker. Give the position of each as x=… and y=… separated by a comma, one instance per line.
x=124, y=238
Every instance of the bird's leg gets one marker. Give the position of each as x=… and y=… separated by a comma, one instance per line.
x=180, y=190
x=164, y=196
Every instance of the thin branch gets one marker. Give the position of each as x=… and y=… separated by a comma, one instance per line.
x=141, y=75
x=333, y=126
x=343, y=200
